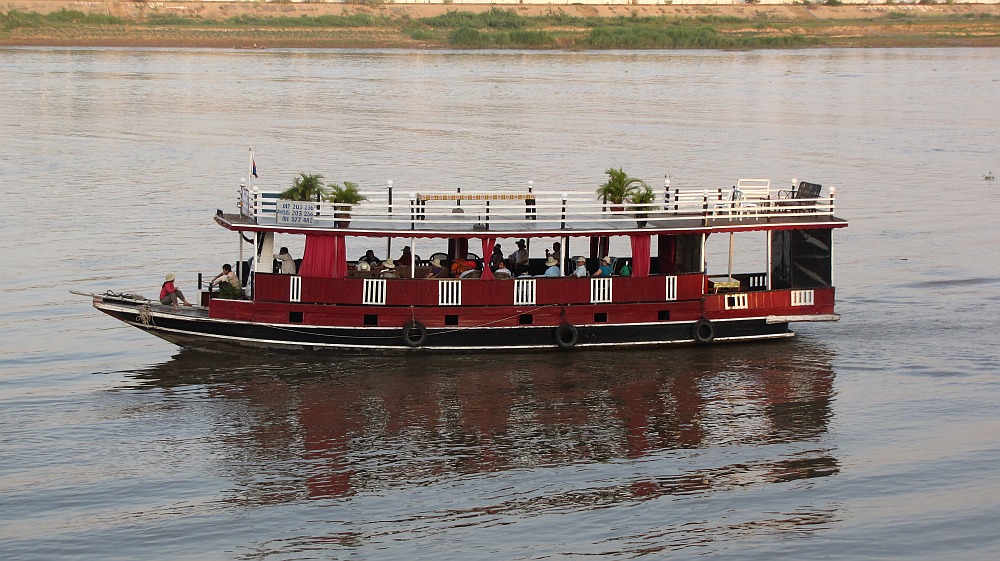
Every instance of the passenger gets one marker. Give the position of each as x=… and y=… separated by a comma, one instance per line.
x=519, y=259
x=502, y=271
x=605, y=269
x=552, y=265
x=556, y=247
x=406, y=259
x=497, y=257
x=371, y=259
x=389, y=270
x=287, y=263
x=229, y=286
x=460, y=265
x=437, y=270
x=363, y=269
x=475, y=272
x=169, y=293
x=581, y=268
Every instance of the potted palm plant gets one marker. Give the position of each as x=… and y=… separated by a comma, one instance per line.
x=618, y=189
x=642, y=198
x=305, y=187
x=344, y=197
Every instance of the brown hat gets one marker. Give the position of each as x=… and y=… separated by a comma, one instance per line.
x=520, y=242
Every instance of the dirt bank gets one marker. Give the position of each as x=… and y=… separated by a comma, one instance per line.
x=895, y=25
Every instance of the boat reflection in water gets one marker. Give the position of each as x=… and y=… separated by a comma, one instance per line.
x=702, y=421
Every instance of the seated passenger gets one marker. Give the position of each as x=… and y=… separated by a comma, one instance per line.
x=287, y=262
x=170, y=294
x=581, y=268
x=460, y=265
x=552, y=266
x=389, y=270
x=363, y=270
x=605, y=269
x=229, y=286
x=371, y=259
x=502, y=272
x=437, y=270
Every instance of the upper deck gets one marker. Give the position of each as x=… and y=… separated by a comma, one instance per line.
x=529, y=213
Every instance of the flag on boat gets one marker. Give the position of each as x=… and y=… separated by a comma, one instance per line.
x=253, y=166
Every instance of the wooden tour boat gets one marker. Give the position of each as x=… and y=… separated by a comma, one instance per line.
x=669, y=296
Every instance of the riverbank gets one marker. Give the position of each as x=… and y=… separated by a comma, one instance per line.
x=320, y=25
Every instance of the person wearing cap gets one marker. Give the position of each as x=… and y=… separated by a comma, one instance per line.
x=519, y=259
x=581, y=268
x=605, y=269
x=437, y=270
x=170, y=294
x=552, y=265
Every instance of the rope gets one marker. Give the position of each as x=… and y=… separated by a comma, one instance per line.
x=145, y=315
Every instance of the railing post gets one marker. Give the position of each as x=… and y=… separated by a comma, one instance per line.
x=833, y=192
x=529, y=203
x=254, y=202
x=562, y=225
x=666, y=192
x=413, y=211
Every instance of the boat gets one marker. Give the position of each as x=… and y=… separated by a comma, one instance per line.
x=660, y=290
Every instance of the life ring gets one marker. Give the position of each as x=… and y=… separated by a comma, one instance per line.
x=703, y=331
x=566, y=336
x=414, y=334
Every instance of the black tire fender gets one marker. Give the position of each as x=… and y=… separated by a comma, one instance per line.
x=566, y=336
x=703, y=331
x=414, y=334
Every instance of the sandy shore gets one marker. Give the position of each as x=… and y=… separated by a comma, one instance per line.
x=847, y=26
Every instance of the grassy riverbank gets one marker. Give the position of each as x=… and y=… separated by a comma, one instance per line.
x=272, y=25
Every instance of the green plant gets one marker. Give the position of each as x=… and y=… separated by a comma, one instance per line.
x=641, y=198
x=346, y=194
x=305, y=187
x=619, y=187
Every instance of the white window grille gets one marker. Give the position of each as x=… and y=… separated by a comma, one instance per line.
x=758, y=281
x=737, y=302
x=294, y=288
x=449, y=293
x=803, y=298
x=524, y=292
x=671, y=293
x=374, y=292
x=600, y=290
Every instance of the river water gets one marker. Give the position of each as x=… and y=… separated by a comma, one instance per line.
x=872, y=438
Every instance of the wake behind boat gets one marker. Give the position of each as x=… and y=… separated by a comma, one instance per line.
x=574, y=295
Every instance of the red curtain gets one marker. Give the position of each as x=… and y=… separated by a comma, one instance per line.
x=325, y=256
x=488, y=244
x=640, y=255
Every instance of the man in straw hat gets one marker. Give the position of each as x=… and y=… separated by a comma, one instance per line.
x=581, y=267
x=552, y=266
x=170, y=294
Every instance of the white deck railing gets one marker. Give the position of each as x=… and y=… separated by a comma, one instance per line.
x=501, y=212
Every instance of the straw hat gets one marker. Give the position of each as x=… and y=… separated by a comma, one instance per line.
x=364, y=266
x=436, y=262
x=581, y=259
x=170, y=277
x=551, y=262
x=606, y=259
x=388, y=264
